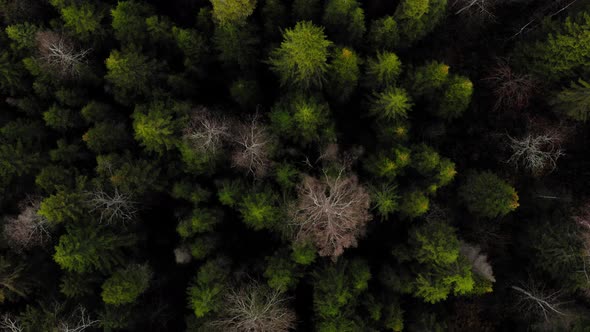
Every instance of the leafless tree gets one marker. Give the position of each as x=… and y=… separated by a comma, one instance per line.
x=253, y=144
x=255, y=308
x=112, y=207
x=538, y=150
x=332, y=213
x=206, y=131
x=59, y=54
x=479, y=262
x=28, y=229
x=10, y=324
x=480, y=9
x=182, y=255
x=78, y=321
x=534, y=300
x=513, y=91
x=547, y=9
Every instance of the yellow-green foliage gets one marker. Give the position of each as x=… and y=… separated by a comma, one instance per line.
x=302, y=58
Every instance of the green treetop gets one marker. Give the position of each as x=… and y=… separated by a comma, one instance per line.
x=232, y=12
x=486, y=195
x=125, y=285
x=345, y=21
x=574, y=102
x=383, y=70
x=391, y=104
x=88, y=247
x=302, y=58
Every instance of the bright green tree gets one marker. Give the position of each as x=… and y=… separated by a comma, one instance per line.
x=84, y=19
x=205, y=293
x=435, y=243
x=259, y=210
x=232, y=12
x=391, y=105
x=62, y=206
x=302, y=57
x=488, y=196
x=574, y=102
x=383, y=70
x=86, y=248
x=427, y=79
x=130, y=73
x=456, y=98
x=126, y=285
x=414, y=204
x=385, y=199
x=155, y=125
x=563, y=51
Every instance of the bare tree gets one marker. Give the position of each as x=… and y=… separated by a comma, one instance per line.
x=535, y=301
x=253, y=148
x=10, y=324
x=255, y=308
x=112, y=207
x=332, y=213
x=205, y=131
x=59, y=54
x=480, y=9
x=538, y=150
x=479, y=262
x=78, y=321
x=513, y=91
x=28, y=229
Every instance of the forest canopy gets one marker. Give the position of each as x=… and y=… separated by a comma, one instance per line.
x=294, y=165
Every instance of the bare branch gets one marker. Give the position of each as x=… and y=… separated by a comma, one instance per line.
x=253, y=148
x=112, y=207
x=512, y=91
x=28, y=229
x=538, y=150
x=534, y=300
x=256, y=308
x=331, y=213
x=60, y=55
x=205, y=131
x=10, y=324
x=79, y=321
x=480, y=9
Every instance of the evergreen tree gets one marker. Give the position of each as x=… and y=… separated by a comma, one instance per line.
x=488, y=196
x=85, y=248
x=125, y=285
x=302, y=58
x=344, y=21
x=574, y=102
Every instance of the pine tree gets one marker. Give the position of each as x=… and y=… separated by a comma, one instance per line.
x=302, y=58
x=488, y=196
x=126, y=284
x=574, y=102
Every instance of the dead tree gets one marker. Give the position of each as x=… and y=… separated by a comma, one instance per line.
x=10, y=324
x=534, y=300
x=112, y=207
x=538, y=150
x=479, y=262
x=59, y=54
x=256, y=308
x=478, y=9
x=78, y=321
x=28, y=229
x=512, y=91
x=332, y=213
x=253, y=145
x=206, y=132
